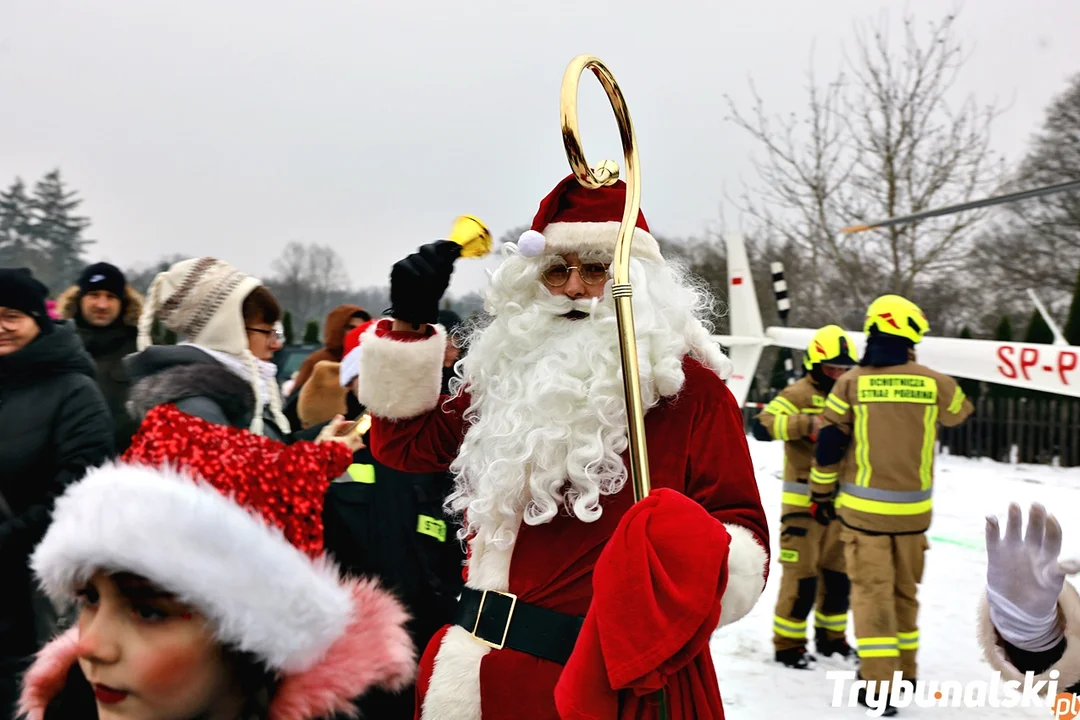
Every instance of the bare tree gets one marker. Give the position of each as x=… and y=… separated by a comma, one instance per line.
x=309, y=279
x=879, y=140
x=141, y=277
x=1036, y=244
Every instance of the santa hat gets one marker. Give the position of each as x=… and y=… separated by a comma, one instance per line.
x=350, y=359
x=201, y=300
x=230, y=522
x=576, y=219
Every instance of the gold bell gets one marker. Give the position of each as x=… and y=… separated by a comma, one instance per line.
x=472, y=235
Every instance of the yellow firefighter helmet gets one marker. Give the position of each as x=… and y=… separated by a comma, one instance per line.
x=897, y=316
x=831, y=345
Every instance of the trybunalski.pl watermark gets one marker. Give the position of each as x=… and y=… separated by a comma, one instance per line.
x=993, y=693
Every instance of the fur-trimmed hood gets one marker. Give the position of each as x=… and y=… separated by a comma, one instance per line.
x=1067, y=666
x=68, y=305
x=164, y=374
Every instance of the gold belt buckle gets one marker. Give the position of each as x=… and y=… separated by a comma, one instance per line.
x=509, y=617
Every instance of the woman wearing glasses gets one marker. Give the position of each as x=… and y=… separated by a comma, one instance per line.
x=54, y=424
x=222, y=371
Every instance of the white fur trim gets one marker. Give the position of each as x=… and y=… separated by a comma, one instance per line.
x=575, y=237
x=454, y=690
x=400, y=380
x=1068, y=665
x=350, y=367
x=747, y=563
x=262, y=594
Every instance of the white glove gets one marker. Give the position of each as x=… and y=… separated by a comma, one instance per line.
x=1024, y=578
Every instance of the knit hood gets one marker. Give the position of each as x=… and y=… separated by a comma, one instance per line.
x=201, y=300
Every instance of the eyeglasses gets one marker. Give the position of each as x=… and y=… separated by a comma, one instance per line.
x=276, y=334
x=591, y=274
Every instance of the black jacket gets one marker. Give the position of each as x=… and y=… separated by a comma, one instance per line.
x=198, y=385
x=55, y=426
x=380, y=522
x=108, y=347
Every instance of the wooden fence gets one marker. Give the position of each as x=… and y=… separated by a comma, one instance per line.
x=1026, y=430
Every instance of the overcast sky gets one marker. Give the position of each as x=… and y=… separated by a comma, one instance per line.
x=231, y=127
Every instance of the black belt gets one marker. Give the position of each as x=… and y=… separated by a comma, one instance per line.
x=500, y=620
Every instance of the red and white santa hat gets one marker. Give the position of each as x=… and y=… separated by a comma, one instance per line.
x=231, y=523
x=575, y=219
x=350, y=359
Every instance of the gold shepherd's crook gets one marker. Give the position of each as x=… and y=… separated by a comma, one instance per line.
x=606, y=173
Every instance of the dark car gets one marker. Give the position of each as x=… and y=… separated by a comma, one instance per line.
x=289, y=359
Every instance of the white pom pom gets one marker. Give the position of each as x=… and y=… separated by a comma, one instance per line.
x=531, y=243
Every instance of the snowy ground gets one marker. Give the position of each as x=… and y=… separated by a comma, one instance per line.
x=755, y=688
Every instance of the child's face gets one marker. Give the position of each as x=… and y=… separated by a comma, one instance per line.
x=148, y=656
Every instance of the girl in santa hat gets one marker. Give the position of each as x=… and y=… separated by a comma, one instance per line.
x=202, y=590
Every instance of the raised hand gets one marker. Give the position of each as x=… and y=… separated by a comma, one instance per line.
x=418, y=282
x=1026, y=570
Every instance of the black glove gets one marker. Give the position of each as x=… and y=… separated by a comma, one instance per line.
x=418, y=282
x=760, y=431
x=823, y=512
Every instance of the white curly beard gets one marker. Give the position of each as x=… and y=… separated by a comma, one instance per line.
x=547, y=423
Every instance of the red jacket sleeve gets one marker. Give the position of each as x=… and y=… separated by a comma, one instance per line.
x=414, y=429
x=425, y=443
x=722, y=480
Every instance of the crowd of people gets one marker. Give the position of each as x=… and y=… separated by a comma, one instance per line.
x=436, y=521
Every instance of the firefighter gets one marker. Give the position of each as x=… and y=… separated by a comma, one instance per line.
x=811, y=555
x=887, y=410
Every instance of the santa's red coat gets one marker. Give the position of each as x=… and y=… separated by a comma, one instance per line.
x=697, y=447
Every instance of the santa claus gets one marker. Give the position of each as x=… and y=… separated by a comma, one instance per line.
x=578, y=603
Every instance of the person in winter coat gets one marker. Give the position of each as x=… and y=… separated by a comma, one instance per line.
x=811, y=553
x=1029, y=617
x=202, y=592
x=325, y=394
x=105, y=310
x=383, y=523
x=886, y=414
x=563, y=564
x=54, y=424
x=339, y=322
x=222, y=370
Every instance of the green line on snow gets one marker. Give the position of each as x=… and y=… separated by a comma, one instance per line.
x=958, y=543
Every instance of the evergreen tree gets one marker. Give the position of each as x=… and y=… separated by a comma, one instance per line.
x=1072, y=325
x=971, y=388
x=58, y=230
x=1003, y=333
x=311, y=333
x=17, y=245
x=1038, y=331
x=290, y=333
